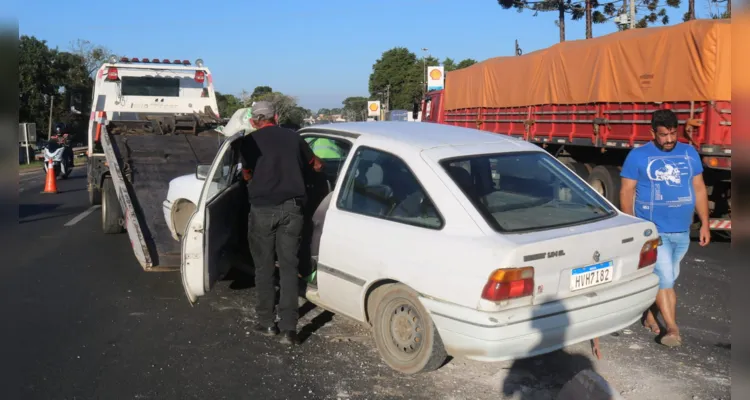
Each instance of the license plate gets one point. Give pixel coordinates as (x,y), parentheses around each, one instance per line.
(591,275)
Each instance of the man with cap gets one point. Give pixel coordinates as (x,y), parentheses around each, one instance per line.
(275,161)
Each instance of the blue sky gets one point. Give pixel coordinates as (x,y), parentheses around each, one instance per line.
(319,51)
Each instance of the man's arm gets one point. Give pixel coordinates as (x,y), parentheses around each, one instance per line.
(701,199)
(627,194)
(309,156)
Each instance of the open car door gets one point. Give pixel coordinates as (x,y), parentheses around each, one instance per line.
(219,221)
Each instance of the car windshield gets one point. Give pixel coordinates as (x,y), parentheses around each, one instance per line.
(527,191)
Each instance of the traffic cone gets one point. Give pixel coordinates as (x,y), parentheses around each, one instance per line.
(50,186)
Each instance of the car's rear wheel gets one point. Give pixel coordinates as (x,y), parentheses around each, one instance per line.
(404,333)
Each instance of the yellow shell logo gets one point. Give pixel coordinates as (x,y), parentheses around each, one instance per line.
(435,74)
(373,106)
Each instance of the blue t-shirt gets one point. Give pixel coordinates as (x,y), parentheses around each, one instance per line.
(664,193)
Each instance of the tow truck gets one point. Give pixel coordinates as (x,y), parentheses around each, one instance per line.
(152,120)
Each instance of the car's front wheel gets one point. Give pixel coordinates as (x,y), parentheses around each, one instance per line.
(405,335)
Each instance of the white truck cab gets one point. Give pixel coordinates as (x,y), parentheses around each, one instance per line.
(152,120)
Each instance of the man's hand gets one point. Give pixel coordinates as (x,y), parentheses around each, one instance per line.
(317,164)
(627,194)
(701,207)
(705,235)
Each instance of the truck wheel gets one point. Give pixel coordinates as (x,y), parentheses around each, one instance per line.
(605,179)
(95,196)
(111,211)
(405,335)
(579,168)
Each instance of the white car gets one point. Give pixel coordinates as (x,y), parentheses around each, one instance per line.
(184,191)
(449,241)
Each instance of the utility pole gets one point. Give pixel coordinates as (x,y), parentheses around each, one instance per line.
(632,14)
(388,97)
(51,106)
(424,72)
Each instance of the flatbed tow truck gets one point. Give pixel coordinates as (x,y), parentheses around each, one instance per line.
(152,120)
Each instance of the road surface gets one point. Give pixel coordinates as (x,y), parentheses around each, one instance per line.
(82,320)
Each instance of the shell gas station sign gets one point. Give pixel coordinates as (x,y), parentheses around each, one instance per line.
(435,78)
(373,108)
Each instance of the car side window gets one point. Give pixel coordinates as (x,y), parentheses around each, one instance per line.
(226,174)
(333,152)
(379,184)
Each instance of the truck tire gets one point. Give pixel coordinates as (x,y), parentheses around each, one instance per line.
(111,210)
(404,333)
(605,179)
(579,168)
(95,196)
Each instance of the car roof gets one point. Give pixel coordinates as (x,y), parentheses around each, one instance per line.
(423,135)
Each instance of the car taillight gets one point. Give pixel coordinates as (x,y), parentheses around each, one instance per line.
(200,76)
(509,283)
(648,253)
(112,74)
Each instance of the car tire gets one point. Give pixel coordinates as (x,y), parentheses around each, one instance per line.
(605,179)
(111,210)
(404,333)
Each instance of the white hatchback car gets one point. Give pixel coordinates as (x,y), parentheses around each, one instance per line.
(448,241)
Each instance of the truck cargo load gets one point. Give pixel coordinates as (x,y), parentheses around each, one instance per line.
(689,61)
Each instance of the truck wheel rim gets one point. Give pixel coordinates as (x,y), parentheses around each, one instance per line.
(598,186)
(405,326)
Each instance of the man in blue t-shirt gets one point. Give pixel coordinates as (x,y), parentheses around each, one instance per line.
(662,182)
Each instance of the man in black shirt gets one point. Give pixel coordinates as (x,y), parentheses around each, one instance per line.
(275,161)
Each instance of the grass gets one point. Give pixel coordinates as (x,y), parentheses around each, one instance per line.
(26,167)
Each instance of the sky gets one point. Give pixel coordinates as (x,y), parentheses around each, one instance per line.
(321,52)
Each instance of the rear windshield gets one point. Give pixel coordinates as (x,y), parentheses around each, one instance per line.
(150,86)
(518,192)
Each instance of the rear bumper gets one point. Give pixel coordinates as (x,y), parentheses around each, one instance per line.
(533,330)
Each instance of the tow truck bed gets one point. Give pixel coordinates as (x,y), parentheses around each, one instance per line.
(145,166)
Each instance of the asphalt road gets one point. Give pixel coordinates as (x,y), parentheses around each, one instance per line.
(83,321)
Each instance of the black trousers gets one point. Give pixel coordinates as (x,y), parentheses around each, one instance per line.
(276,230)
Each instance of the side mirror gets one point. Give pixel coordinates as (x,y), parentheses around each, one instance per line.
(201,171)
(415,111)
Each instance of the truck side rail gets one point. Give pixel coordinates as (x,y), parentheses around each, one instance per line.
(132,226)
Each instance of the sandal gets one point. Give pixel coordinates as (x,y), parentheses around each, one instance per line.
(671,340)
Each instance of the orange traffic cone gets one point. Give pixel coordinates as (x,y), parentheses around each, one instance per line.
(50,186)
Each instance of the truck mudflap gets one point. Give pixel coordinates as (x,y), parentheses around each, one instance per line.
(141,167)
(720,224)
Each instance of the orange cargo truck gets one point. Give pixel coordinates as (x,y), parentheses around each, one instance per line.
(588,102)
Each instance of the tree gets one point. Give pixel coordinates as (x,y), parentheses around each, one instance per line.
(36,81)
(562,7)
(228,104)
(399,70)
(93,55)
(355,108)
(324,111)
(466,63)
(259,92)
(282,104)
(449,65)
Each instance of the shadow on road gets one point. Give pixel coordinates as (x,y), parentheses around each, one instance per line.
(28,210)
(543,376)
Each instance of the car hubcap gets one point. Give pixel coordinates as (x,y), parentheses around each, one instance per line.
(406,329)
